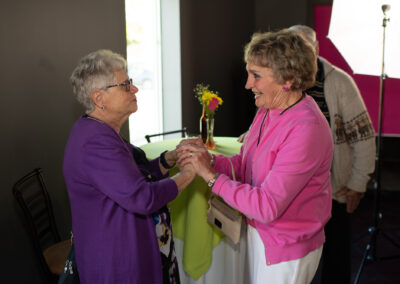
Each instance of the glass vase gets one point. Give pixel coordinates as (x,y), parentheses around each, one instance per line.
(207,129)
(203,125)
(210,143)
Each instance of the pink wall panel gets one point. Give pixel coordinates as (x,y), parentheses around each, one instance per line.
(368,85)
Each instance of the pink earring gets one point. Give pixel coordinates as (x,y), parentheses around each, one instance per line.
(285,88)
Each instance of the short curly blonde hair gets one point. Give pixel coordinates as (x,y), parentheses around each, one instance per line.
(288,54)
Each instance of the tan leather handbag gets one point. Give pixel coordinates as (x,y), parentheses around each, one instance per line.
(223,217)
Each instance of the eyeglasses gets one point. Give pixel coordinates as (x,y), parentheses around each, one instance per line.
(127,84)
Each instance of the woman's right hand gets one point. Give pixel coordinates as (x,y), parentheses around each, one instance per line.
(198,157)
(184,177)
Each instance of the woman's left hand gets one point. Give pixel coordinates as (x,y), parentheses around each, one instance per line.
(171,157)
(199,157)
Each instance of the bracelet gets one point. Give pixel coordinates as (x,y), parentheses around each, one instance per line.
(164,162)
(211,182)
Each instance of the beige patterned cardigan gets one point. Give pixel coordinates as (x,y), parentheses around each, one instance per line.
(353,134)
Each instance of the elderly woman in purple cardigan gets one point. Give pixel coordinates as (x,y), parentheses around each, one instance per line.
(121,225)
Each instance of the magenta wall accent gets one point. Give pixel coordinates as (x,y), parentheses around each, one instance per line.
(368,85)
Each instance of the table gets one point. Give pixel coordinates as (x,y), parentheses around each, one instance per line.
(189,219)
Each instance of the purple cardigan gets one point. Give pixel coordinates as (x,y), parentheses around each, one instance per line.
(111,207)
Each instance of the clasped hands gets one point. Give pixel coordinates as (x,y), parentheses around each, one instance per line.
(193,155)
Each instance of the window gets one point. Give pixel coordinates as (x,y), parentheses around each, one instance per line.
(153,59)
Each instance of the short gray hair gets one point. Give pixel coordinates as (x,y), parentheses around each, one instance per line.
(95,71)
(307,32)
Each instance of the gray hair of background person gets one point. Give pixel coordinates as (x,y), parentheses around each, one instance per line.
(95,71)
(288,54)
(308,33)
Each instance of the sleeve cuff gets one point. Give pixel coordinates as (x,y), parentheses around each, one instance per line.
(359,186)
(155,165)
(217,188)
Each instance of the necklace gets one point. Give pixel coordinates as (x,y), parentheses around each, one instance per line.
(302,96)
(262,123)
(261,126)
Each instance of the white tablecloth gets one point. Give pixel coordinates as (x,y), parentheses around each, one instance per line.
(228,263)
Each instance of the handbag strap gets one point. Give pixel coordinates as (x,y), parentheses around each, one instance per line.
(233,170)
(233,177)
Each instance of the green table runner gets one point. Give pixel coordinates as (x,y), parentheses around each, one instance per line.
(189,210)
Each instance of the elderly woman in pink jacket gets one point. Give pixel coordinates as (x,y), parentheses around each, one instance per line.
(282,172)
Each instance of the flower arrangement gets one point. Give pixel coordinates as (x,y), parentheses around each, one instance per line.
(209,99)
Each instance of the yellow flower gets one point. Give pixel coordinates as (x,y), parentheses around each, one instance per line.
(207,96)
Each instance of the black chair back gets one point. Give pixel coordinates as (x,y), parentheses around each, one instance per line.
(32,196)
(183,131)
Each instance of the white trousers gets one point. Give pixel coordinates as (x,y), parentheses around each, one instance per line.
(298,271)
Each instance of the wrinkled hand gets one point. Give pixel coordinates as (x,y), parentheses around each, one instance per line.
(242,137)
(189,168)
(180,149)
(184,177)
(171,157)
(198,157)
(181,156)
(352,198)
(195,141)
